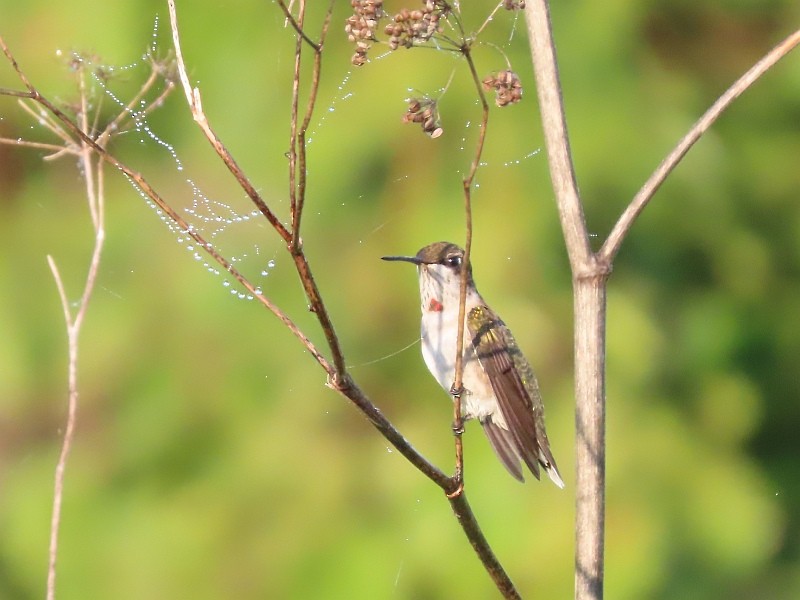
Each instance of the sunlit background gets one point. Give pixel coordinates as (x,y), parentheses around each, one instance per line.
(211,461)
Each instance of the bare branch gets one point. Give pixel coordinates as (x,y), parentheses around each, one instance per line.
(95,197)
(469,523)
(301,134)
(458,387)
(298,62)
(314,297)
(69,433)
(16,93)
(37,145)
(196,107)
(297,24)
(643,196)
(48,123)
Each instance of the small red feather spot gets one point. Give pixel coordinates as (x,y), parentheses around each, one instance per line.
(435,306)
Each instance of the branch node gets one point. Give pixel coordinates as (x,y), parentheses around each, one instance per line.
(339,382)
(456,492)
(597,268)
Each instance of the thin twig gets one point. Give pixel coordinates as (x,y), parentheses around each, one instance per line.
(458,387)
(480,544)
(46,121)
(298,179)
(95,195)
(316,75)
(297,25)
(196,107)
(292,155)
(643,196)
(312,292)
(27,144)
(456,493)
(69,432)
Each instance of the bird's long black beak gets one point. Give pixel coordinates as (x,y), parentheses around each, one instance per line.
(411,259)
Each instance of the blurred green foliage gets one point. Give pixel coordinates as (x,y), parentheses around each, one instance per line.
(212,462)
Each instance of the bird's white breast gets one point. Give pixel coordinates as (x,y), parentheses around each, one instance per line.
(439,337)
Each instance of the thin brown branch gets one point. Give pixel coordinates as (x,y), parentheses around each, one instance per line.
(298,177)
(458,387)
(468,522)
(69,432)
(14,93)
(297,25)
(293,187)
(22,77)
(312,292)
(348,388)
(46,121)
(643,196)
(37,145)
(456,494)
(316,75)
(95,197)
(196,108)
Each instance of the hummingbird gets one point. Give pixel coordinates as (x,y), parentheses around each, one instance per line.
(500,388)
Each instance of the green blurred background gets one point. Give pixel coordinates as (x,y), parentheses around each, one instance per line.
(210,459)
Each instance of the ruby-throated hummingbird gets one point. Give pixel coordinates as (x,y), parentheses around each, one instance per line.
(500,388)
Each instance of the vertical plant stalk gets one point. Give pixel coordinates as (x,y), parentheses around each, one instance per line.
(95,195)
(589,281)
(590,419)
(590,273)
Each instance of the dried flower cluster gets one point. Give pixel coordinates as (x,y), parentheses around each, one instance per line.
(425,112)
(413,27)
(360,27)
(416,26)
(507,87)
(408,27)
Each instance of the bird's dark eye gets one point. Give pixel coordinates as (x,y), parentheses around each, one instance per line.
(453,261)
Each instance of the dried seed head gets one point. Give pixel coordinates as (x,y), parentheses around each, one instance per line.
(425,112)
(360,27)
(507,87)
(410,27)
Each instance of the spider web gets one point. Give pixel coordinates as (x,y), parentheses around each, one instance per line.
(233,227)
